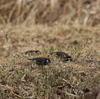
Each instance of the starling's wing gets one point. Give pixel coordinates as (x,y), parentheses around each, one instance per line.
(32,52)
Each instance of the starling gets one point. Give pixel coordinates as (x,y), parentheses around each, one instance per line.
(41,60)
(32,52)
(62,55)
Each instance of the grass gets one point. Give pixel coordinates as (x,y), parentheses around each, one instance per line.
(21,79)
(72,26)
(47,12)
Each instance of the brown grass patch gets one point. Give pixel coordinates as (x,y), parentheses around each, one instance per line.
(22,79)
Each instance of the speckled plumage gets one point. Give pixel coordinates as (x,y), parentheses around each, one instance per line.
(62,55)
(32,52)
(41,60)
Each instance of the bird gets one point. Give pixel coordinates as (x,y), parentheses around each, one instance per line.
(41,60)
(62,55)
(31,52)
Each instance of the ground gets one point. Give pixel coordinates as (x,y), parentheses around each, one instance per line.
(22,79)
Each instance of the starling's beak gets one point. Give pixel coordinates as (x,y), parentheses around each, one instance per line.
(31,59)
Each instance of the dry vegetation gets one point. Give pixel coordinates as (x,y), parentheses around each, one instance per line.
(72,26)
(50,11)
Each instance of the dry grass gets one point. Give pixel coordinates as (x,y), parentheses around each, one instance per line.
(85,12)
(72,26)
(21,79)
